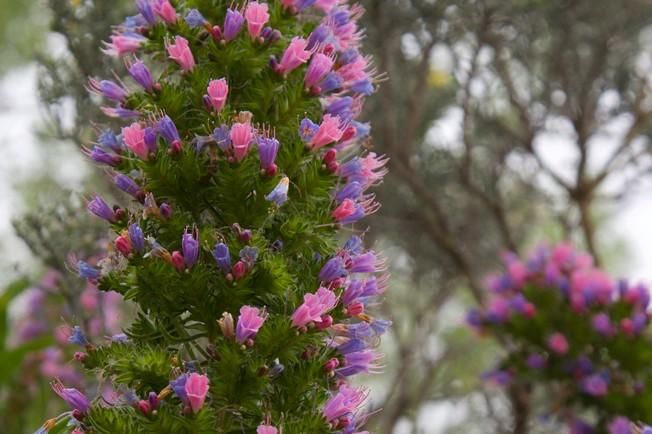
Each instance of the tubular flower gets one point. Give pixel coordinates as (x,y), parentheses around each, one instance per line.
(165,11)
(134,138)
(304,304)
(122,44)
(196,388)
(280,193)
(250,321)
(320,65)
(180,52)
(256,15)
(329,131)
(73,397)
(314,307)
(241,136)
(218,90)
(294,56)
(141,74)
(232,24)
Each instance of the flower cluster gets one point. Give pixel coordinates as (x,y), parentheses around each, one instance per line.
(242,154)
(569,322)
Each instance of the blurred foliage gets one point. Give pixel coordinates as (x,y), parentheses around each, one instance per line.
(23,25)
(474,90)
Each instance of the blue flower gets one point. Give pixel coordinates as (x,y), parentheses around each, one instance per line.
(280,193)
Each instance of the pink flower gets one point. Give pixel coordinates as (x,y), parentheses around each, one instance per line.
(266,429)
(217,91)
(325,5)
(294,56)
(196,389)
(346,209)
(593,282)
(89,299)
(165,11)
(344,403)
(180,53)
(134,138)
(329,131)
(256,15)
(123,44)
(241,136)
(320,65)
(558,343)
(313,307)
(250,321)
(355,71)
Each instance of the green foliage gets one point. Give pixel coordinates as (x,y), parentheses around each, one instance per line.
(277,376)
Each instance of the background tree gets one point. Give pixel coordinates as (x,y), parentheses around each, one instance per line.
(477,94)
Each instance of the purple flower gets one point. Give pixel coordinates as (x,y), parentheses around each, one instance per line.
(222,136)
(536,361)
(318,36)
(578,426)
(87,271)
(347,56)
(307,130)
(267,150)
(596,385)
(249,255)
(332,269)
(101,209)
(145,9)
(120,112)
(73,397)
(99,155)
(362,130)
(168,130)
(602,324)
(119,338)
(352,190)
(352,346)
(341,107)
(250,321)
(108,89)
(474,318)
(352,292)
(354,245)
(380,326)
(195,19)
(151,140)
(364,263)
(166,210)
(232,24)
(332,82)
(190,248)
(109,140)
(179,386)
(620,425)
(78,337)
(222,257)
(128,185)
(365,87)
(142,75)
(137,238)
(358,362)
